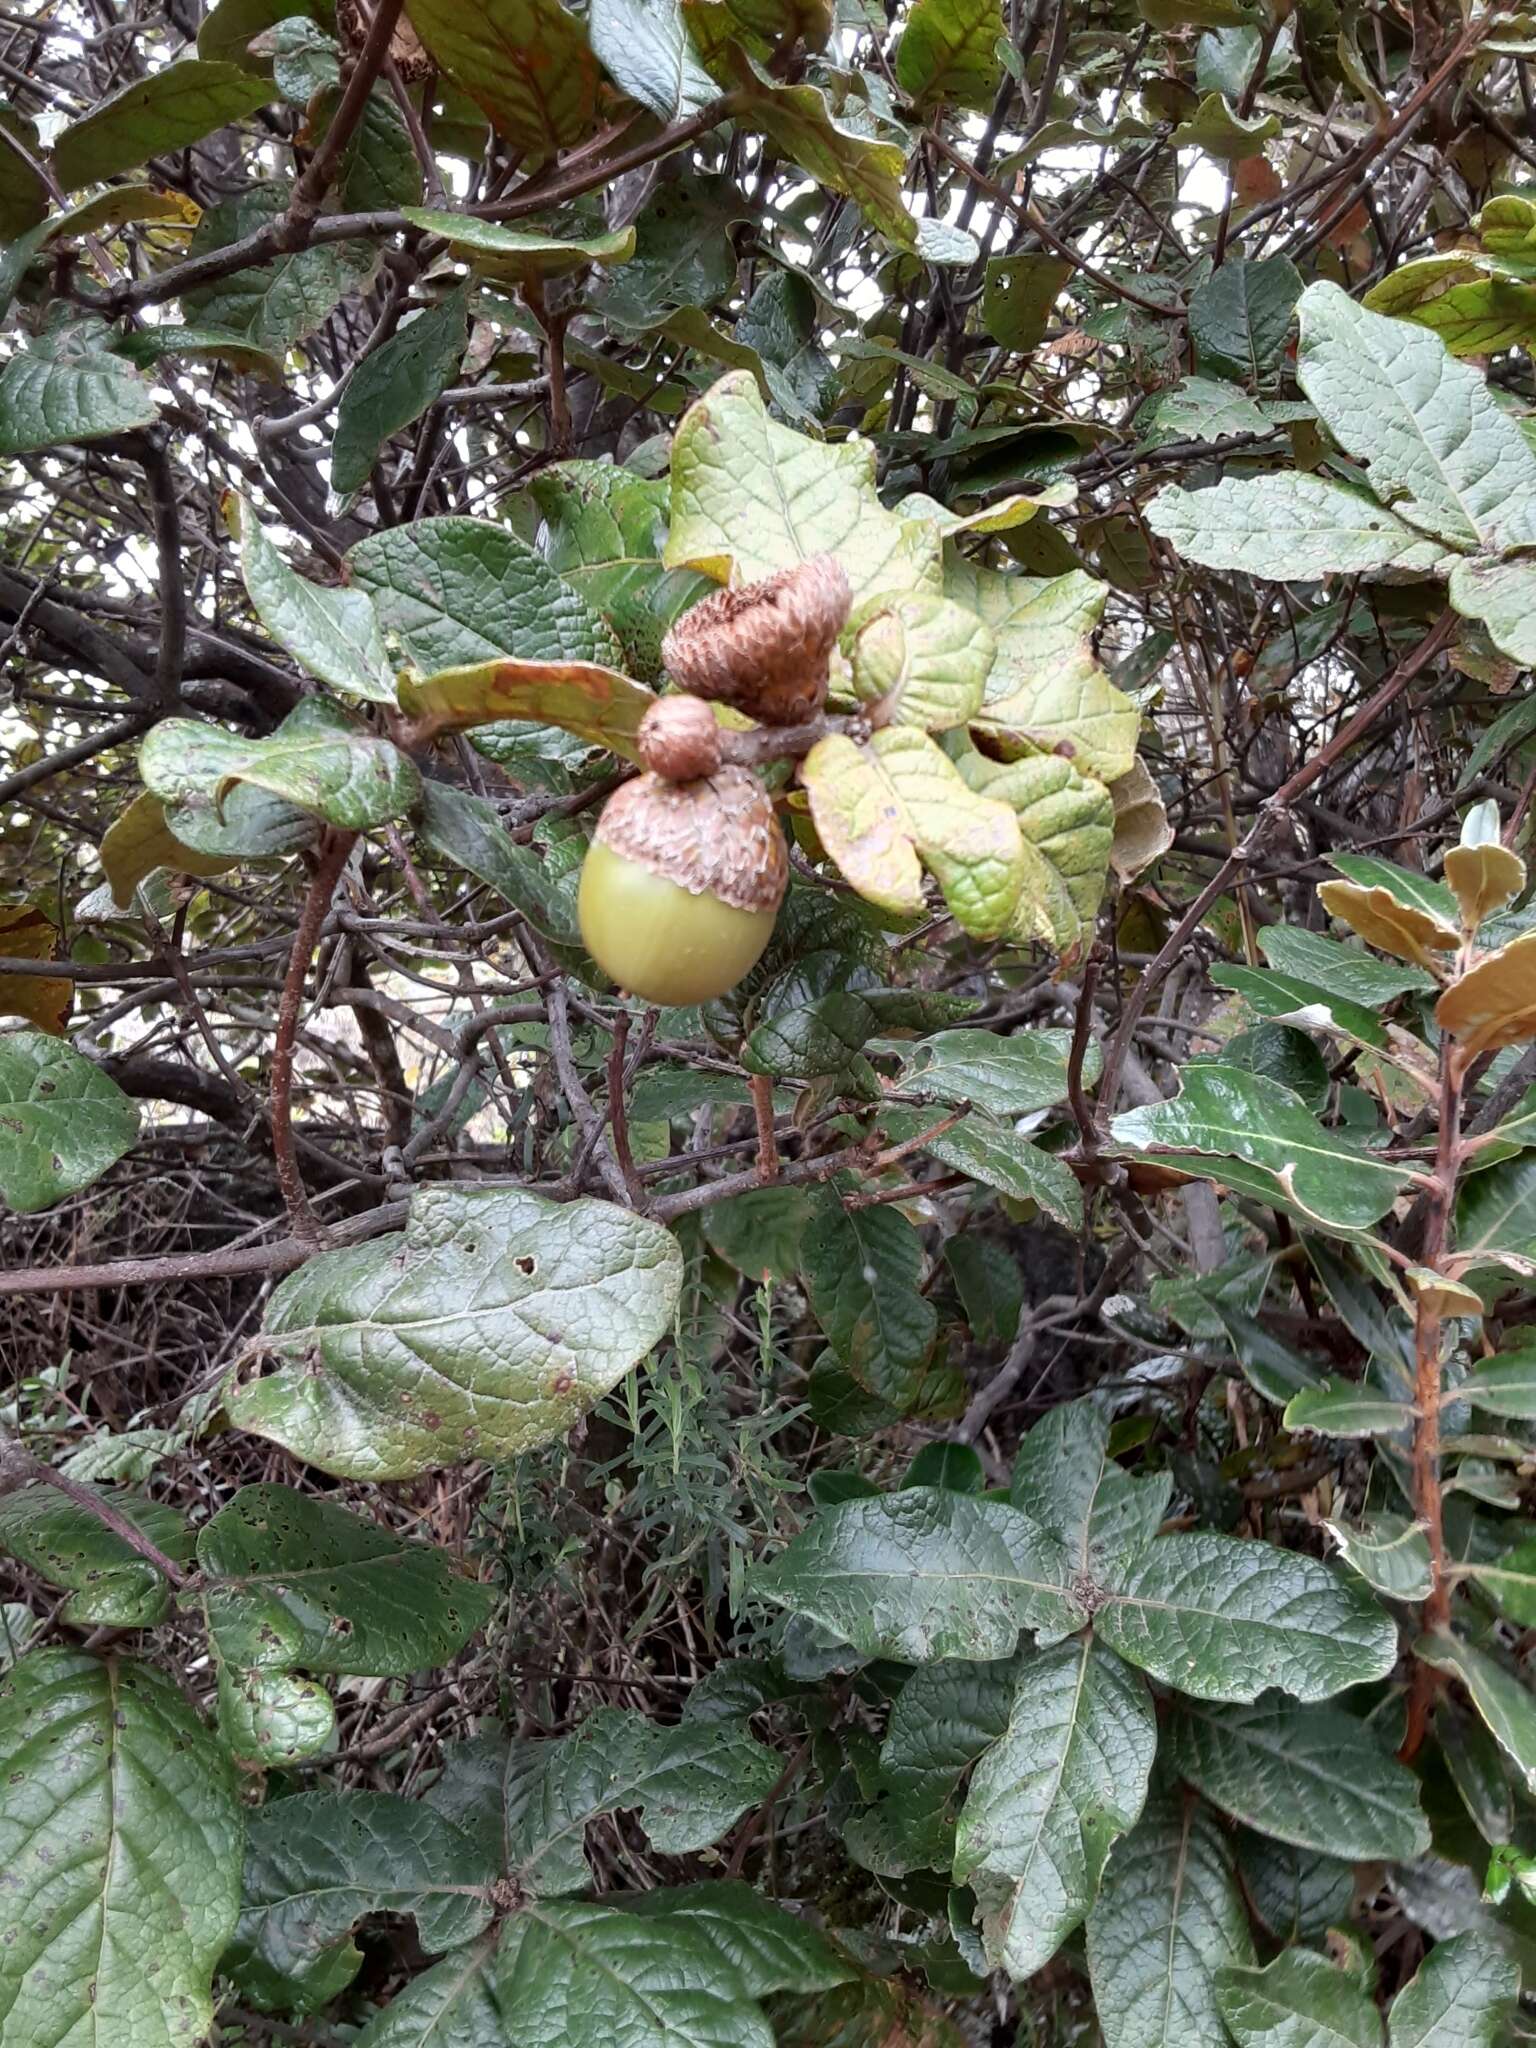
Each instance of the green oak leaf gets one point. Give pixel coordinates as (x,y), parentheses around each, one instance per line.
(1064,1476)
(881,807)
(570,1974)
(750,496)
(1169,1917)
(1300,2000)
(1224,1619)
(492,1323)
(163,111)
(275,304)
(334,633)
(394,386)
(925,1573)
(948,52)
(1501,1698)
(1437,446)
(1227,1124)
(689,1783)
(68,385)
(1240,318)
(318,760)
(1047,693)
(120,1840)
(1311,1776)
(644,47)
(1461,1996)
(1289,525)
(461,591)
(1048,1801)
(526,63)
(318,1862)
(62,1121)
(1067,820)
(516,253)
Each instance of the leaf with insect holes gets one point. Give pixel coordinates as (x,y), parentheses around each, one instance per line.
(120,1839)
(926,1573)
(110,1584)
(491,1324)
(62,1121)
(318,760)
(1047,1802)
(290,1583)
(319,1862)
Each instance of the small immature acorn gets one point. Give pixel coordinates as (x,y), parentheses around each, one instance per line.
(767,647)
(679,739)
(682,884)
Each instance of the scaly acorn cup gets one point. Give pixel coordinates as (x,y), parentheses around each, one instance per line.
(682,884)
(767,647)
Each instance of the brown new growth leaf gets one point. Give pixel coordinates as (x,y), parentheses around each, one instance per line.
(767,647)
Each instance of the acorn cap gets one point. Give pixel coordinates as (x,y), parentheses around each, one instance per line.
(717,836)
(679,739)
(766,647)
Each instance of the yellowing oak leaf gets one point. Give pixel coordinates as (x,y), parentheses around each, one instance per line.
(884,808)
(597,704)
(140,841)
(1386,922)
(1494,1002)
(43,999)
